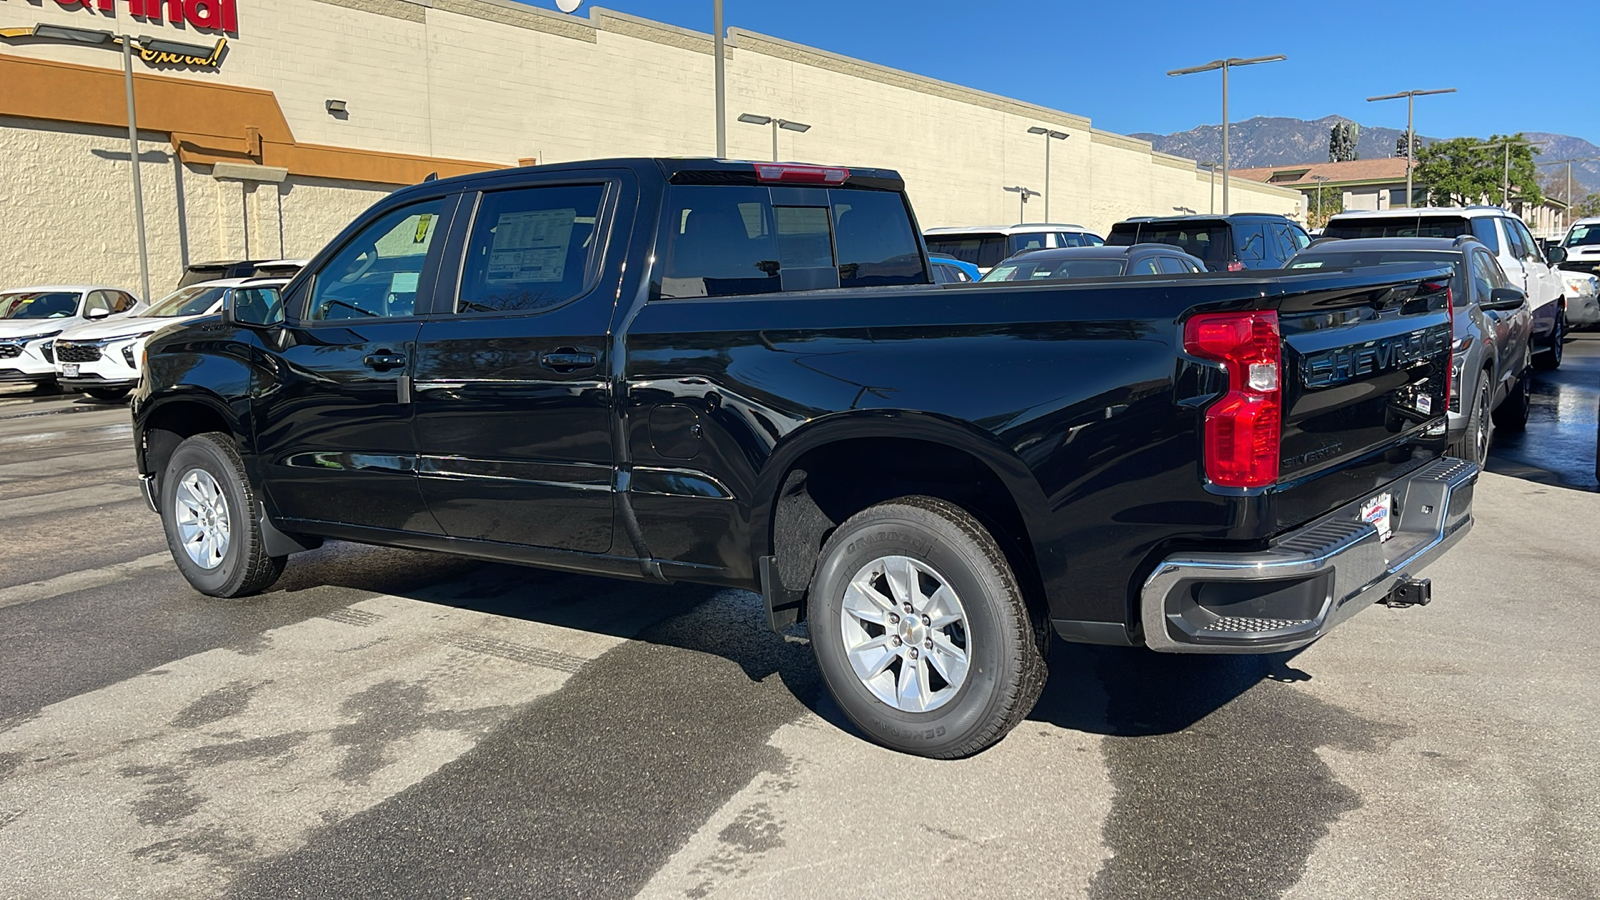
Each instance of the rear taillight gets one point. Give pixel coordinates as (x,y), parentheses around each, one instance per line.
(1243,429)
(793,174)
(1235,266)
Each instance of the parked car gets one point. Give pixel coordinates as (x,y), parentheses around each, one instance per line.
(949,270)
(102,357)
(1578,256)
(31,317)
(1095,262)
(1230,243)
(985,246)
(224,269)
(1506,237)
(627,368)
(1492,329)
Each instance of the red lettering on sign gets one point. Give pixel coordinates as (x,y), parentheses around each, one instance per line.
(203,13)
(71,3)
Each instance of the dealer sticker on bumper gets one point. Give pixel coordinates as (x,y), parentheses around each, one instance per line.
(70,370)
(1375,512)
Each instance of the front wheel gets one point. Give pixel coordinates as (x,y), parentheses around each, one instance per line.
(1473,445)
(1550,359)
(920,629)
(1512,414)
(206,510)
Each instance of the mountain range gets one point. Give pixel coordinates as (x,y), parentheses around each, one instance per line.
(1279,141)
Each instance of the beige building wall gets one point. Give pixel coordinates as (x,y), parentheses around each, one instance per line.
(497,81)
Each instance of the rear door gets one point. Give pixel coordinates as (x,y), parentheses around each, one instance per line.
(513,408)
(1513,258)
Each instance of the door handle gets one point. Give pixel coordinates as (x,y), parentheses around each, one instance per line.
(566,359)
(384,361)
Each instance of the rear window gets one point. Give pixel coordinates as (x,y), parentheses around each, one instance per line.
(1357,259)
(1209,241)
(1403,226)
(189,301)
(982,250)
(1055,268)
(725,240)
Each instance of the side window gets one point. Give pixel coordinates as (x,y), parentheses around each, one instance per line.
(718,241)
(1492,273)
(876,245)
(1068,239)
(1171,265)
(530,248)
(98,300)
(1483,229)
(991,251)
(1092,240)
(376,274)
(1530,245)
(1021,242)
(1146,266)
(1513,240)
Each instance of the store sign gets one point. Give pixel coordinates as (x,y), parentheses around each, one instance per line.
(209,60)
(206,15)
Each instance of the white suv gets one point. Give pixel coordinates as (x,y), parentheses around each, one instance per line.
(31,317)
(102,358)
(1504,234)
(1580,270)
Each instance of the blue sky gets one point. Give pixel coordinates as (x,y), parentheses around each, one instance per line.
(1107,60)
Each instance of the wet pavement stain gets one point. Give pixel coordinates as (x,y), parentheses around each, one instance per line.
(1220,792)
(269,747)
(392,711)
(223,703)
(170,798)
(1563,433)
(222,847)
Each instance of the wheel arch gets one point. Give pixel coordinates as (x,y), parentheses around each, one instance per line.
(165,422)
(838,465)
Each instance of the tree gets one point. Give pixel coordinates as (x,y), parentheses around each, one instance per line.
(1463,171)
(1322,205)
(1587,206)
(1342,141)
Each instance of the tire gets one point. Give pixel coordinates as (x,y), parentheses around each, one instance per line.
(207,505)
(1512,413)
(110,395)
(1473,445)
(858,618)
(1550,359)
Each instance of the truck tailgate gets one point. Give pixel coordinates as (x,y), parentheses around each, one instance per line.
(1365,376)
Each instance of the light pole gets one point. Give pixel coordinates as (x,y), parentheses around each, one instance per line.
(1319,179)
(1505,184)
(1183,210)
(1022,208)
(67,34)
(1211,165)
(1225,65)
(1411,133)
(1569,162)
(1049,135)
(722,90)
(776,123)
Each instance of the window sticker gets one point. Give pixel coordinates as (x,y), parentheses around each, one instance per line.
(531,246)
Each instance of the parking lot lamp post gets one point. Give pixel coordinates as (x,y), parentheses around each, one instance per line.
(1569,162)
(776,123)
(1225,65)
(1210,165)
(1411,132)
(722,92)
(1024,193)
(1319,179)
(1049,135)
(1505,184)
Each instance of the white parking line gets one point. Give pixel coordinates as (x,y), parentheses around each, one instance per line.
(82,580)
(173,781)
(76,498)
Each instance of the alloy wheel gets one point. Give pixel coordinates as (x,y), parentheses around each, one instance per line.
(200,510)
(905,633)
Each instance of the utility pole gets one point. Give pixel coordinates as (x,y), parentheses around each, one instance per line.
(1319,179)
(1569,162)
(1411,131)
(1505,185)
(1225,65)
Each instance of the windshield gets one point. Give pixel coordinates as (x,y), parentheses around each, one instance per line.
(1582,236)
(44,305)
(1054,268)
(1209,242)
(1399,226)
(189,301)
(982,250)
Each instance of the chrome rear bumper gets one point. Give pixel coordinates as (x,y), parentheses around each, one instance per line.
(1310,579)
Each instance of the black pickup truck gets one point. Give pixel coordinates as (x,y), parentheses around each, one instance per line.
(742,374)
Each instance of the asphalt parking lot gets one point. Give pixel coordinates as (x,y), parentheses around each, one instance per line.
(396,724)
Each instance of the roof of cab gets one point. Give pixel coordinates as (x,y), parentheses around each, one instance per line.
(663,167)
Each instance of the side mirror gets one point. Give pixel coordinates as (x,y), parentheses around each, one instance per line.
(253,307)
(99,312)
(1556,255)
(1505,298)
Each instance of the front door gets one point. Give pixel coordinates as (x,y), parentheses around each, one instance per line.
(334,424)
(513,406)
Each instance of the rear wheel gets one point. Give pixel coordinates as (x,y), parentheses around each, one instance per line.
(207,506)
(920,629)
(1473,445)
(1551,358)
(1512,413)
